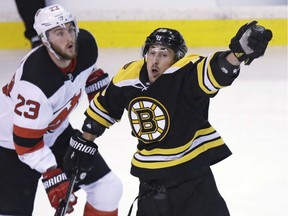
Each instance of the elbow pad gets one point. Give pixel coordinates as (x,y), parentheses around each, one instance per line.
(93,127)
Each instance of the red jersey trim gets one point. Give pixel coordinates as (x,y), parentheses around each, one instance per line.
(28,133)
(24,150)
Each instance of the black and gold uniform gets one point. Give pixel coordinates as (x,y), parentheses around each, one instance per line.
(168,112)
(169,117)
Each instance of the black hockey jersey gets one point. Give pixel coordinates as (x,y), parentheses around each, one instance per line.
(169,117)
(36,104)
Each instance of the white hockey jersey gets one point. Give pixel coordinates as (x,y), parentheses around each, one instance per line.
(35,105)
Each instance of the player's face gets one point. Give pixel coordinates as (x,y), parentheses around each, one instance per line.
(63,41)
(159,59)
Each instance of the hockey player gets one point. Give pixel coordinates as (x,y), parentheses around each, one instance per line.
(166,95)
(35,130)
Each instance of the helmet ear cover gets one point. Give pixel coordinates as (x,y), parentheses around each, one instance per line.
(169,38)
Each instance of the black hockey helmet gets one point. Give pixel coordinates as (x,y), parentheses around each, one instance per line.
(169,38)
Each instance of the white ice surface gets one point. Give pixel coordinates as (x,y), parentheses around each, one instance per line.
(251,116)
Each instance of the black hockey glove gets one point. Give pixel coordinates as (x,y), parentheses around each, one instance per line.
(250,42)
(80,155)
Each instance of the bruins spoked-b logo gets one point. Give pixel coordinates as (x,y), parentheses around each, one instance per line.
(149,119)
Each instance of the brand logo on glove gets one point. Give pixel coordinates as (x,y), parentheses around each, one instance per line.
(55,180)
(82,175)
(82,147)
(98,85)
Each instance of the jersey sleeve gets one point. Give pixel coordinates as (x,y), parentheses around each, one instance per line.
(30,122)
(210,76)
(205,73)
(108,106)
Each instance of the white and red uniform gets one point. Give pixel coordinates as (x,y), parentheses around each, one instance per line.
(36,104)
(34,111)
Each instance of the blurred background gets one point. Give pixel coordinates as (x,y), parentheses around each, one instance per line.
(125,23)
(251,115)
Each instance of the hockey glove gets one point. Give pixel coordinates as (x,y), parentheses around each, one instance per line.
(56,184)
(80,155)
(97,81)
(250,42)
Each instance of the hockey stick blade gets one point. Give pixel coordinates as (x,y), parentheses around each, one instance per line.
(63,206)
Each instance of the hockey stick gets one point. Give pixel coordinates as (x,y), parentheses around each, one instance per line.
(63,206)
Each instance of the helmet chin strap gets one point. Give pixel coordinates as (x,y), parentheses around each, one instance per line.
(48,45)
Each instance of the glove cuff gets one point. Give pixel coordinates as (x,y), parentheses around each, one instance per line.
(80,144)
(239,53)
(227,68)
(53,177)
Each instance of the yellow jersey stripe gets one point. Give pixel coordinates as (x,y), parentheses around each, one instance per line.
(178,150)
(186,158)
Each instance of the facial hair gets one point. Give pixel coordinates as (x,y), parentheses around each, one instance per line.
(64,55)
